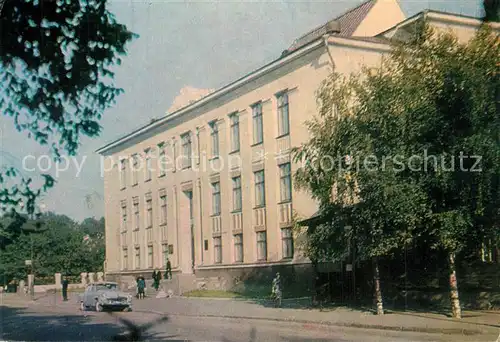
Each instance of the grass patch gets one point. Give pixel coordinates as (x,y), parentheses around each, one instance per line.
(212,294)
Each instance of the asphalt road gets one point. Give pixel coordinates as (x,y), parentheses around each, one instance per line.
(41,323)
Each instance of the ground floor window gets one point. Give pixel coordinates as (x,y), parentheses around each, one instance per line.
(137,257)
(217,250)
(238,248)
(125,258)
(150,256)
(287,242)
(261,246)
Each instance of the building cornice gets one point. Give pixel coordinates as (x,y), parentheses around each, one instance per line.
(215,95)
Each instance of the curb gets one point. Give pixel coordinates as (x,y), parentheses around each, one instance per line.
(464,332)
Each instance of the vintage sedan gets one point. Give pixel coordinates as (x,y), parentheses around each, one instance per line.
(105,295)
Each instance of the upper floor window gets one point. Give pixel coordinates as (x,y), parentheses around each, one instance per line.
(124,216)
(123,173)
(216,198)
(163,209)
(149,211)
(135,168)
(162,160)
(237,194)
(285,183)
(186,150)
(235,132)
(214,138)
(258,126)
(148,170)
(283,114)
(136,214)
(260,192)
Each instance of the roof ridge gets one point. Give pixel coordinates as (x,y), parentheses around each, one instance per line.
(353,9)
(334,19)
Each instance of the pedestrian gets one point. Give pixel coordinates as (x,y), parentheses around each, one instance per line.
(168,272)
(65,284)
(156,279)
(141,284)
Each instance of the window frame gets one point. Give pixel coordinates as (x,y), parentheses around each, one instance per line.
(187,150)
(261,244)
(150,256)
(123,174)
(260,189)
(217,249)
(137,257)
(257,124)
(214,139)
(285,176)
(238,247)
(149,211)
(216,199)
(287,243)
(237,194)
(283,110)
(234,129)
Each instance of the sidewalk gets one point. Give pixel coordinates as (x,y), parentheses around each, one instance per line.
(475,324)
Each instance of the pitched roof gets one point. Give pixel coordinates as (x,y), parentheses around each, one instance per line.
(348,22)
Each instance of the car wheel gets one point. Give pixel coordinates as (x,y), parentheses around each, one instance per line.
(98,307)
(82,307)
(128,309)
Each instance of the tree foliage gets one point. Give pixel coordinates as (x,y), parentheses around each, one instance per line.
(58,246)
(56,77)
(415,148)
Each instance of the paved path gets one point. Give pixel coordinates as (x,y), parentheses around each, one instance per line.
(62,322)
(474,326)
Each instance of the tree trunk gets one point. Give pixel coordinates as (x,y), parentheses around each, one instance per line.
(454,298)
(378,290)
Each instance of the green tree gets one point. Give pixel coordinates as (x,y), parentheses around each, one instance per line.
(56,72)
(433,96)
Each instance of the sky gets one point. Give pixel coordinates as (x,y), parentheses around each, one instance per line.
(204,44)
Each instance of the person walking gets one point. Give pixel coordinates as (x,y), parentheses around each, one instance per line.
(141,285)
(168,272)
(156,279)
(65,284)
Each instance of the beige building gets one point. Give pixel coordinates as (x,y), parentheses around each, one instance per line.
(209,185)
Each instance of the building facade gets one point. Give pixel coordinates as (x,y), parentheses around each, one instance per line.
(210,185)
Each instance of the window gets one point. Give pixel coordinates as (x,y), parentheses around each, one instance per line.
(149,211)
(137,257)
(163,209)
(162,160)
(124,216)
(287,242)
(260,192)
(285,183)
(214,137)
(283,115)
(261,246)
(189,195)
(206,245)
(125,258)
(235,132)
(136,214)
(150,256)
(148,170)
(238,248)
(123,174)
(135,168)
(217,250)
(237,194)
(258,127)
(216,198)
(186,150)
(164,253)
